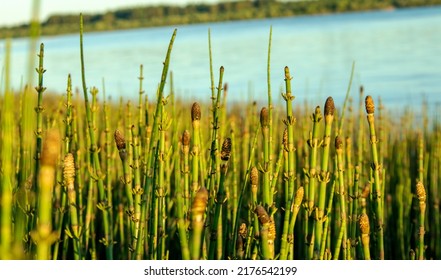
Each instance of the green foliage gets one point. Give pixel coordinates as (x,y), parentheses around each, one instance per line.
(193,198)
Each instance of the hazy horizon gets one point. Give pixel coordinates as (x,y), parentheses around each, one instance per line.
(17,12)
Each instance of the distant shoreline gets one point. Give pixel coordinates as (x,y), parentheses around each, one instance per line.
(162,15)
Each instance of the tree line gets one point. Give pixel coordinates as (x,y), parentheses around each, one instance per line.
(162,15)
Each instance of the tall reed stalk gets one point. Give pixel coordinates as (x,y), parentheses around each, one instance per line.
(343,233)
(7,160)
(69,178)
(197,222)
(324,175)
(377,195)
(44,236)
(421,195)
(107,240)
(365,232)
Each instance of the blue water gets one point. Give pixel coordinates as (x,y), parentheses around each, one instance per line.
(397,56)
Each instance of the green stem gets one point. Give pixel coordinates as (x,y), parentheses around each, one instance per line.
(217,220)
(342,237)
(39,110)
(324,176)
(137,189)
(242,192)
(44,236)
(313,143)
(421,195)
(69,177)
(96,167)
(214,160)
(7,159)
(295,208)
(376,168)
(182,198)
(327,219)
(197,222)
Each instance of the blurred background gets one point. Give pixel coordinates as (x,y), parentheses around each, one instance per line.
(394,46)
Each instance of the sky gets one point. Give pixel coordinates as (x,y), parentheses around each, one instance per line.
(15,12)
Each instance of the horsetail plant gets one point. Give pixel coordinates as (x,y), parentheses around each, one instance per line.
(192,198)
(421,195)
(39,117)
(313,143)
(270,101)
(243,190)
(39,110)
(343,233)
(212,178)
(216,222)
(295,208)
(363,222)
(107,240)
(137,190)
(267,192)
(59,218)
(69,117)
(109,158)
(185,170)
(140,105)
(197,222)
(121,145)
(196,148)
(235,179)
(69,178)
(44,236)
(376,168)
(182,197)
(288,139)
(325,236)
(156,138)
(160,189)
(267,233)
(289,122)
(254,182)
(324,175)
(7,160)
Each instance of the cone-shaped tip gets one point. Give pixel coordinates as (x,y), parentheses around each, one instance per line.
(329,106)
(69,169)
(119,140)
(338,143)
(369,103)
(299,196)
(254,176)
(264,117)
(186,138)
(285,139)
(287,75)
(363,222)
(420,191)
(195,111)
(226,149)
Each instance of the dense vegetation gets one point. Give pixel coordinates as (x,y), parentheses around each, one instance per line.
(161,179)
(161,15)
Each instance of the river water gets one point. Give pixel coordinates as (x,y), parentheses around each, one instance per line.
(397,56)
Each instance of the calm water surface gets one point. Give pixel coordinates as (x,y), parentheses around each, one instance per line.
(397,56)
